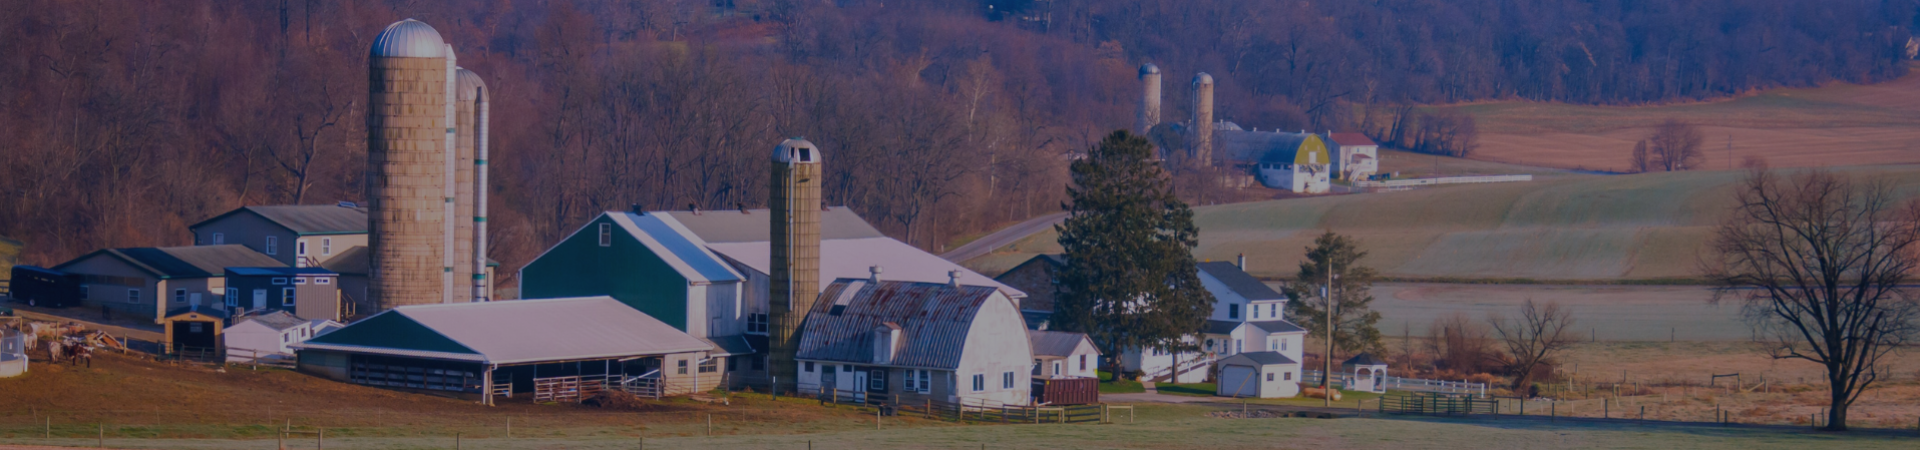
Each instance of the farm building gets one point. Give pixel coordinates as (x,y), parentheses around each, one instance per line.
(194,329)
(1259,374)
(1297,162)
(271,335)
(553,349)
(1356,156)
(1247,317)
(308,292)
(353,266)
(295,235)
(1058,354)
(1035,278)
(149,281)
(906,342)
(39,286)
(708,272)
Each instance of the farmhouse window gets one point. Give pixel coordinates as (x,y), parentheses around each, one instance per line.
(682,367)
(1287,376)
(133,296)
(1056,368)
(606,235)
(1233,311)
(326,246)
(279,281)
(1083,362)
(179,295)
(219,238)
(300,248)
(1006,380)
(273,245)
(286,296)
(809,366)
(979,382)
(1239,346)
(709,366)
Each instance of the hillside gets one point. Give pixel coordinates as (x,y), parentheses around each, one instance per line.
(1836,125)
(1563,227)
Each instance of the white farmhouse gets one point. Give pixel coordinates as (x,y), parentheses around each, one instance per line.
(904,342)
(1247,317)
(270,335)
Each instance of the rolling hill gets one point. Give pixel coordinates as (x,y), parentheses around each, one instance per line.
(1562,227)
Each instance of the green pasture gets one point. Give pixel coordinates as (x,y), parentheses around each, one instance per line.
(1561,228)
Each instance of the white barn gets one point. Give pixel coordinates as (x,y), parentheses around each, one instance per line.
(271,335)
(1259,374)
(904,342)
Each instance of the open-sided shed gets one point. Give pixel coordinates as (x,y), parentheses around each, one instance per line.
(555,349)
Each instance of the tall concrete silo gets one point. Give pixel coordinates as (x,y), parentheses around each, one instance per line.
(1149,99)
(794,282)
(465,123)
(471,264)
(407,128)
(1200,138)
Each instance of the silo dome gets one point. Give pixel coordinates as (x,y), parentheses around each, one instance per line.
(409,39)
(797,150)
(1203,78)
(1149,69)
(468,84)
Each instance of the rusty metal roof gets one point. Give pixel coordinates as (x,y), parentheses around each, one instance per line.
(1057,343)
(934,319)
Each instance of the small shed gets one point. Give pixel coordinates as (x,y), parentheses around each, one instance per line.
(1259,374)
(13,353)
(271,335)
(38,286)
(1364,373)
(194,331)
(311,293)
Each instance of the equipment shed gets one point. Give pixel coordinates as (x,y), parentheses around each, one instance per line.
(557,350)
(1259,374)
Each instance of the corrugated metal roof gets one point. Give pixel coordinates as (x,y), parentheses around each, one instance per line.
(523,331)
(934,320)
(1056,343)
(732,225)
(1259,358)
(306,219)
(277,271)
(200,261)
(676,245)
(853,258)
(730,345)
(1262,146)
(409,39)
(1239,281)
(353,261)
(278,320)
(1278,326)
(311,345)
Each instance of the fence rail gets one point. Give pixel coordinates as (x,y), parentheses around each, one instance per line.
(1312,377)
(1435,404)
(966,410)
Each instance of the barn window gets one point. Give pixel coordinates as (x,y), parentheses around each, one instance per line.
(179,295)
(759,362)
(273,245)
(1287,376)
(709,366)
(979,382)
(300,248)
(279,281)
(326,246)
(606,235)
(682,367)
(133,296)
(219,238)
(322,280)
(734,364)
(1269,376)
(300,280)
(233,297)
(1083,362)
(1006,380)
(194,327)
(756,323)
(846,367)
(809,366)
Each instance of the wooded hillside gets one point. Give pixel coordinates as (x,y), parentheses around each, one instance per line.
(123,122)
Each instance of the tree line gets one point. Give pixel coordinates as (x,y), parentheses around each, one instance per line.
(125,122)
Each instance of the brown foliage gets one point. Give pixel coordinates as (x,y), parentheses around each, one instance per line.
(1460,345)
(1532,338)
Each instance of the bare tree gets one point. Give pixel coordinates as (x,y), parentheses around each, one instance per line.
(1458,343)
(1533,338)
(1640,162)
(1674,146)
(1818,261)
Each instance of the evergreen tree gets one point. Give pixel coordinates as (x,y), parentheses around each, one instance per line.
(1130,281)
(1355,322)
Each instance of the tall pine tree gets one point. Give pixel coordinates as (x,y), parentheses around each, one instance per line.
(1355,322)
(1130,281)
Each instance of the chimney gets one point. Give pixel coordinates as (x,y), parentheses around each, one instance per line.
(874,271)
(695,207)
(1243,262)
(635,208)
(953,278)
(742,206)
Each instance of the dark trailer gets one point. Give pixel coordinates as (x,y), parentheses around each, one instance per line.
(38,286)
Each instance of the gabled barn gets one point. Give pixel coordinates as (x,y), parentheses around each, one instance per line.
(148,282)
(1039,279)
(537,347)
(901,342)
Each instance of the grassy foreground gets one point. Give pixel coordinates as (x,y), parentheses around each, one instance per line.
(1168,426)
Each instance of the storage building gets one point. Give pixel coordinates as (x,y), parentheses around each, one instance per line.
(148,282)
(900,342)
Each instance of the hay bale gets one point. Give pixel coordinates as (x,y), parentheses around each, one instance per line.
(615,399)
(1315,392)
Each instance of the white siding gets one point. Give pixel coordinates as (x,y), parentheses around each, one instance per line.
(997,344)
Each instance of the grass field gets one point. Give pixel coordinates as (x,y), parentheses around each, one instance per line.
(1840,124)
(1562,228)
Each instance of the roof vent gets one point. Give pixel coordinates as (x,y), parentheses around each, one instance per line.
(695,207)
(743,208)
(953,278)
(875,272)
(635,208)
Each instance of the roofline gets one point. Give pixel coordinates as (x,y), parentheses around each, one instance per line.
(698,244)
(249,208)
(425,354)
(143,267)
(330,233)
(796,358)
(522,273)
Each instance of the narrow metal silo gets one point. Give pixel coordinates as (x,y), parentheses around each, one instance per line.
(1201,137)
(407,128)
(794,282)
(470,248)
(1149,99)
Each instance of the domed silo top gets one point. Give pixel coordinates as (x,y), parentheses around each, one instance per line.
(797,151)
(1203,78)
(409,39)
(1149,69)
(468,83)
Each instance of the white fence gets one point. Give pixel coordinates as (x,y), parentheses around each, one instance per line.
(1312,377)
(1408,182)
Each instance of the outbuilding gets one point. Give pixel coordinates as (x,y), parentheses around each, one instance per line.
(1363,372)
(271,335)
(1259,374)
(900,342)
(148,282)
(310,293)
(555,350)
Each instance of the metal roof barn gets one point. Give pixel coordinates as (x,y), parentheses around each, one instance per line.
(512,332)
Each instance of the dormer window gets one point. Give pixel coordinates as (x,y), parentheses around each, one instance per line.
(1233,310)
(886,338)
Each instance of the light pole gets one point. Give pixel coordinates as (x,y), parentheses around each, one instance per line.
(1326,370)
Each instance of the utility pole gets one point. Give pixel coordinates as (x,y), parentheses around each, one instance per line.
(1326,370)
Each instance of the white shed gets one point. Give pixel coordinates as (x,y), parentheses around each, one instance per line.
(271,335)
(1058,354)
(1364,373)
(1259,374)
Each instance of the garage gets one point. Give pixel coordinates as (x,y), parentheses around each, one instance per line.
(1259,374)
